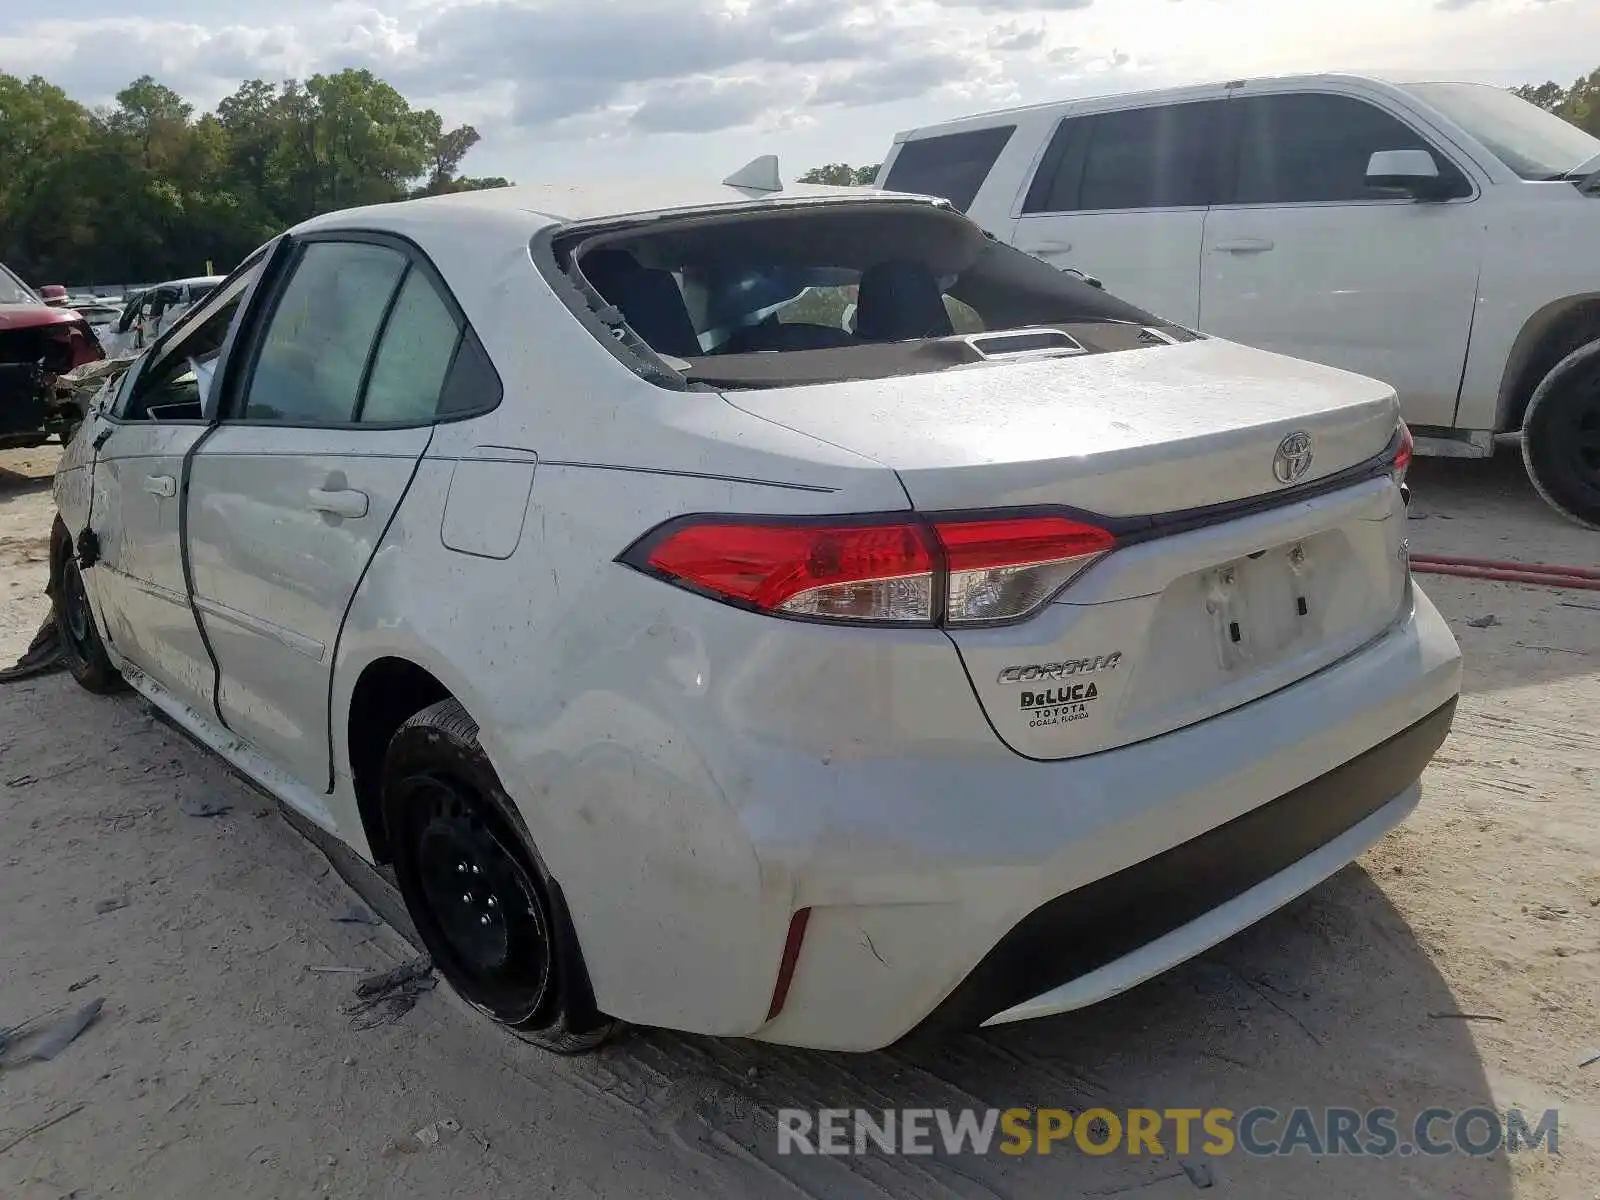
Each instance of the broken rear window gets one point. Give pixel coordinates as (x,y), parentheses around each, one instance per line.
(829,292)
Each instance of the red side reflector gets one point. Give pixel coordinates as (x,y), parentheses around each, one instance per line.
(791,958)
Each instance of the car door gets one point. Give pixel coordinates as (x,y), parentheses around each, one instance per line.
(319,436)
(1306,259)
(153,425)
(1121,195)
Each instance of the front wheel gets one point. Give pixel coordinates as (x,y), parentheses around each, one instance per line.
(1561,437)
(489,913)
(81,648)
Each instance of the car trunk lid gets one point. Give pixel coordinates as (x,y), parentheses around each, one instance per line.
(1257,544)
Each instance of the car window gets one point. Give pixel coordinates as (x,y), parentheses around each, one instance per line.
(313,353)
(953,165)
(1309,148)
(1159,157)
(13,290)
(414,356)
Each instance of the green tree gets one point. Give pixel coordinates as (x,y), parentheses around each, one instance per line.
(1579,103)
(841,175)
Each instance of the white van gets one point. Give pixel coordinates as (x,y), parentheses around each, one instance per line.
(1443,237)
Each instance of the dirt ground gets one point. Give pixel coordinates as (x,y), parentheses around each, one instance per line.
(224,1064)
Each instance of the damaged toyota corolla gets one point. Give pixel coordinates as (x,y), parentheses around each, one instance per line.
(776,612)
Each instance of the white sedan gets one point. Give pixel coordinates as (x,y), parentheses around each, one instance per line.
(697,660)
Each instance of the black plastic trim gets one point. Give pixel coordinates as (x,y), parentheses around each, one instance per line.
(1091,926)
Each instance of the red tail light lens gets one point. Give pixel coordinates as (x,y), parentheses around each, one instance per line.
(1402,456)
(844,572)
(962,572)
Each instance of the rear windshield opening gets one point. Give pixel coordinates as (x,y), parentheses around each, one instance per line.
(829,292)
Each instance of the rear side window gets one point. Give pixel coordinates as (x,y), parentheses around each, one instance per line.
(1310,147)
(1161,157)
(314,353)
(953,165)
(419,344)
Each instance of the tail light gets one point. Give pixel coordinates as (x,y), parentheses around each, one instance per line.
(957,571)
(1402,454)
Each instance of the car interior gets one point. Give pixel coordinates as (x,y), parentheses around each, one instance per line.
(830,292)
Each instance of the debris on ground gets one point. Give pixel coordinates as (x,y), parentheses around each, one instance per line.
(356,915)
(110,905)
(428,1136)
(1199,1174)
(40,1127)
(42,656)
(1589,1057)
(1484,622)
(82,983)
(65,1031)
(194,806)
(385,997)
(1465,1016)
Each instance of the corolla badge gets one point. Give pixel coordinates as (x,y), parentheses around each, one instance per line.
(1293,458)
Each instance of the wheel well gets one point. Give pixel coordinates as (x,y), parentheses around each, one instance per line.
(389,692)
(1549,336)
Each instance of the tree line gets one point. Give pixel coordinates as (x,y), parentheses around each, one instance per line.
(146,189)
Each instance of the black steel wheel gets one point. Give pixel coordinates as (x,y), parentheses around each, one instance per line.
(483,903)
(81,647)
(1561,437)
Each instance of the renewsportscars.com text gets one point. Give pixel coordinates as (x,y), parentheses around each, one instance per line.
(1259,1131)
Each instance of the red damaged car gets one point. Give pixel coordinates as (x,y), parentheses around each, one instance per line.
(38,345)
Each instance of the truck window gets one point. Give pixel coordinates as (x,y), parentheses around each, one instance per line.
(1158,157)
(1309,147)
(952,165)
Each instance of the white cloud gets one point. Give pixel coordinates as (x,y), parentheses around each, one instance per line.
(575,87)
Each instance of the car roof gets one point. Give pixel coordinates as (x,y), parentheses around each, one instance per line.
(543,205)
(1186,91)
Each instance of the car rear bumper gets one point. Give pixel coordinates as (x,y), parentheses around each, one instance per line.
(1032,888)
(1108,935)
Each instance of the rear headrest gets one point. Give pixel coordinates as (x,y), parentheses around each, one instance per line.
(899,300)
(649,301)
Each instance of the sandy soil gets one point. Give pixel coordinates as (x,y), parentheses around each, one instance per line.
(223,1064)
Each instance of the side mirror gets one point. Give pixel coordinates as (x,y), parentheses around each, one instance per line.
(1411,172)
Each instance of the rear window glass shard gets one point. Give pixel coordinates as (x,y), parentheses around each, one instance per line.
(952,166)
(829,292)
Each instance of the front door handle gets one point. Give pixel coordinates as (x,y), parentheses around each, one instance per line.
(161,485)
(1245,245)
(342,502)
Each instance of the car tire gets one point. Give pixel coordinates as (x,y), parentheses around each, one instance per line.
(81,647)
(486,907)
(1561,437)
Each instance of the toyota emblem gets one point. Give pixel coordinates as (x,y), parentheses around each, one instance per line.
(1293,458)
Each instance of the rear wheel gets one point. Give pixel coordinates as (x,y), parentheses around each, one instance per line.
(1561,437)
(81,647)
(487,910)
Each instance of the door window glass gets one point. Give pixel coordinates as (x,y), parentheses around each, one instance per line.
(418,346)
(314,352)
(952,166)
(1158,157)
(1311,147)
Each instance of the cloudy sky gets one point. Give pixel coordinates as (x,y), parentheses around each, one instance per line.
(566,89)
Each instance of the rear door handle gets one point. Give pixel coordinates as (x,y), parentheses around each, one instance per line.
(161,485)
(1245,245)
(1051,247)
(345,502)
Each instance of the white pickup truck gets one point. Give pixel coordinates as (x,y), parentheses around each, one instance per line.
(1443,237)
